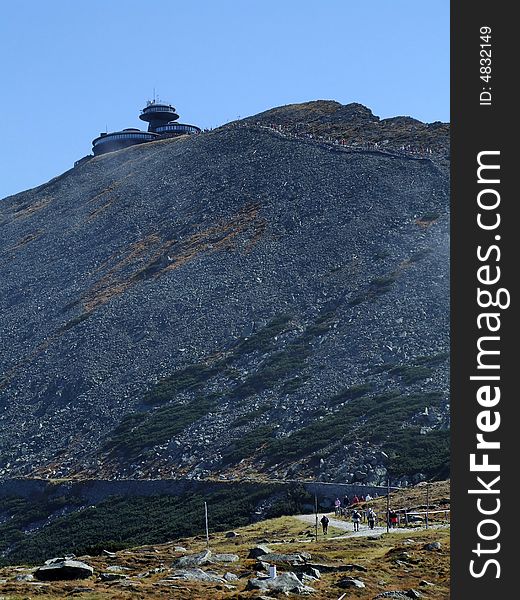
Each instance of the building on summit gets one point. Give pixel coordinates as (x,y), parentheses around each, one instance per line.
(162,124)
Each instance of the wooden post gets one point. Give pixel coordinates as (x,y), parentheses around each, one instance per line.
(316,511)
(427,502)
(207,526)
(388,506)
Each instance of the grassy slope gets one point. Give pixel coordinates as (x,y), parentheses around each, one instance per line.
(285,534)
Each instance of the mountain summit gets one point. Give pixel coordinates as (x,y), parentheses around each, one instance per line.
(268,299)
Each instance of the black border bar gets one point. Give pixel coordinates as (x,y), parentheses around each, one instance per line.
(484,121)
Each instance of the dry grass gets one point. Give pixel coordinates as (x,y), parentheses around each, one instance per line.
(395,561)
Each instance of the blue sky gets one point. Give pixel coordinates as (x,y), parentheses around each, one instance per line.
(71,69)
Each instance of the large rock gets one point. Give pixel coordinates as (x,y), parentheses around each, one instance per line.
(224,558)
(432,546)
(350,582)
(62,569)
(280,558)
(284,583)
(193,560)
(259,550)
(196,575)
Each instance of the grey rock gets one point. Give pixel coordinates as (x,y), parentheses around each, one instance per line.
(230,577)
(224,558)
(111,576)
(259,550)
(284,583)
(24,577)
(280,558)
(196,575)
(193,560)
(117,569)
(306,570)
(231,534)
(63,570)
(350,582)
(432,546)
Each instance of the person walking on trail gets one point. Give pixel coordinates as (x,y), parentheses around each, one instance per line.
(325,524)
(371,518)
(355,500)
(337,507)
(346,501)
(356,518)
(392,515)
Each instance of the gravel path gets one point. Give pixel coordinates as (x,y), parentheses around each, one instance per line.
(364,530)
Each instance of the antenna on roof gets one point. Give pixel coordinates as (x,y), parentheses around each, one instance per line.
(154,95)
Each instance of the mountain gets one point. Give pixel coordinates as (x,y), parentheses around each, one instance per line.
(269,300)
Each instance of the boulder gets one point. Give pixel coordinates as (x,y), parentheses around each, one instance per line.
(280,558)
(24,577)
(350,582)
(196,575)
(432,546)
(306,570)
(284,583)
(224,558)
(117,569)
(58,569)
(259,550)
(193,560)
(231,534)
(111,576)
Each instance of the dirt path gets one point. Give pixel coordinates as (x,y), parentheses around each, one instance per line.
(364,529)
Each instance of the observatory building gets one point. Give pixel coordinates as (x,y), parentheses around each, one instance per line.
(162,123)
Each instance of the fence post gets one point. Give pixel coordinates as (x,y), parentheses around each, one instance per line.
(316,511)
(207,526)
(427,502)
(388,506)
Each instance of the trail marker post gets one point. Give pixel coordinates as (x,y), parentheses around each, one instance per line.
(388,506)
(207,526)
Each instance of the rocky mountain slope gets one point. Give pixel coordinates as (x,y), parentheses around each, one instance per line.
(267,300)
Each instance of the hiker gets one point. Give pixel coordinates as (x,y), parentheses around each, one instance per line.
(392,515)
(346,501)
(337,507)
(368,497)
(355,500)
(325,524)
(371,517)
(356,518)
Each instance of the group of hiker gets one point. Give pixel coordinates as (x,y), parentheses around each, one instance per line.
(351,509)
(417,150)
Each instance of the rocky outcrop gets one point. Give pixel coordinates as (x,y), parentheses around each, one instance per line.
(285,583)
(60,569)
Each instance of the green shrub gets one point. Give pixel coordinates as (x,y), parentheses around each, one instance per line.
(144,430)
